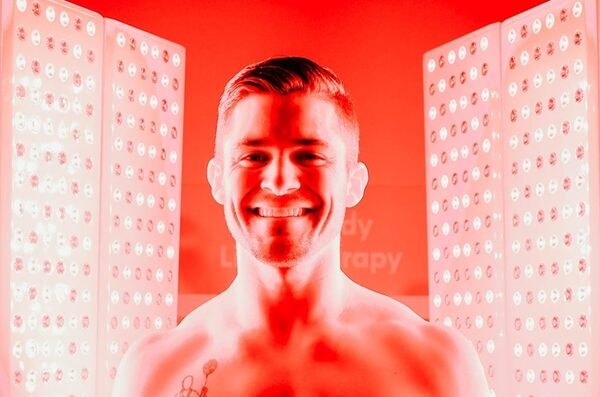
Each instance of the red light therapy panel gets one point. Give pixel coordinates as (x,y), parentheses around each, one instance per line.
(52,75)
(544,145)
(464,191)
(550,127)
(143,122)
(90,169)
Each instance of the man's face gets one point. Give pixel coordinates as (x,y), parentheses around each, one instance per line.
(284,175)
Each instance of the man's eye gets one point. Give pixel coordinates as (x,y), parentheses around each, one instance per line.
(255,158)
(309,157)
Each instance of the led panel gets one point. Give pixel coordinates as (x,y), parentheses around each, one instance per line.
(141,182)
(464,192)
(550,194)
(50,174)
(550,126)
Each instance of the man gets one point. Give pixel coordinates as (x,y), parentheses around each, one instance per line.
(291,323)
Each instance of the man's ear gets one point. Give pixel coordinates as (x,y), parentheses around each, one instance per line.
(357,182)
(214,173)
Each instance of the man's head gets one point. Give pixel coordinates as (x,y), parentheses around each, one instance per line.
(286,159)
(285,76)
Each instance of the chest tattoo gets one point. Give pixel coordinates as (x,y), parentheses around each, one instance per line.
(187,384)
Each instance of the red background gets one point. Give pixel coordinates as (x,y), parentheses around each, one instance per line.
(376,48)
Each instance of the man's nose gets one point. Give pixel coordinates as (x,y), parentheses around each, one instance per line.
(280,176)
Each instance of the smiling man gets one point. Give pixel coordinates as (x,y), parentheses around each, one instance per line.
(292,323)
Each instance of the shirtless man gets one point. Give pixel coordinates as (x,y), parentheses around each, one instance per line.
(292,323)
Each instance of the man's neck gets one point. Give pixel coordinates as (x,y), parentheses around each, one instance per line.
(281,301)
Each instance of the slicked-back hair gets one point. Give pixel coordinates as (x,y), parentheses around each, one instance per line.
(285,76)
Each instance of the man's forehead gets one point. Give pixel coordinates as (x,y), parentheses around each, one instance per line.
(267,105)
(296,141)
(300,118)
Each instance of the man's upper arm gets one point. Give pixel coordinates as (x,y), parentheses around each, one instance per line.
(132,373)
(460,373)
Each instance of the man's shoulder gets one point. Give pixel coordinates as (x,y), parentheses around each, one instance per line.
(454,362)
(444,358)
(147,363)
(392,322)
(130,375)
(392,326)
(195,329)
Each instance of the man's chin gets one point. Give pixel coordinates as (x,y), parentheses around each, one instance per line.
(279,261)
(281,255)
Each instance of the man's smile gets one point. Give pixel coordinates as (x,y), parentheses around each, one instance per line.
(268,212)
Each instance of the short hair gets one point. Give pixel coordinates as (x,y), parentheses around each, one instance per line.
(284,76)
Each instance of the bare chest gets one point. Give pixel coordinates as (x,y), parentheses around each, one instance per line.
(275,375)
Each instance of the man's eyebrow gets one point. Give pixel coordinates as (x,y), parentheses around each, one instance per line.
(311,142)
(300,142)
(251,142)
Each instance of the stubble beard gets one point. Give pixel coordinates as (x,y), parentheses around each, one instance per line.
(281,252)
(277,248)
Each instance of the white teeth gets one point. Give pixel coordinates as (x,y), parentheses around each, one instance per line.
(280,212)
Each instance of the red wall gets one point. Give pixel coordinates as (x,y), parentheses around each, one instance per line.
(376,48)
